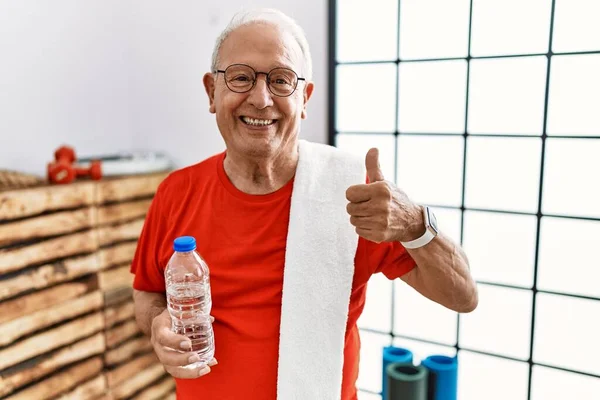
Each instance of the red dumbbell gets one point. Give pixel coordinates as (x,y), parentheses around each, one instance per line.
(62,170)
(94,171)
(65,154)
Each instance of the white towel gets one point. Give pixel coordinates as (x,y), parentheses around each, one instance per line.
(317,280)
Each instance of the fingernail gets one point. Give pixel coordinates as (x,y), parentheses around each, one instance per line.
(193,359)
(204,371)
(185,345)
(213,362)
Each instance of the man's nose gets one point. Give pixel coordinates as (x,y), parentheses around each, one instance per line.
(260,96)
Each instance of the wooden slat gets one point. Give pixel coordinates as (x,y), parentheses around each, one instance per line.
(108,396)
(117,296)
(10,179)
(118,313)
(121,212)
(87,391)
(129,369)
(119,233)
(65,380)
(119,254)
(28,202)
(52,362)
(157,391)
(47,275)
(33,302)
(127,350)
(51,339)
(121,333)
(64,246)
(170,396)
(46,225)
(30,323)
(138,382)
(128,187)
(115,278)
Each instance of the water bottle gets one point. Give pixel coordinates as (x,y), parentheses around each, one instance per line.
(188,298)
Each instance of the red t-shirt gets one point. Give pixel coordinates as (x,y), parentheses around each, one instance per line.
(242,237)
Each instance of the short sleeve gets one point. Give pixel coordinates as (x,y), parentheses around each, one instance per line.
(149,275)
(389,258)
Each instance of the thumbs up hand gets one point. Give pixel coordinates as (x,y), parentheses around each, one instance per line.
(380,211)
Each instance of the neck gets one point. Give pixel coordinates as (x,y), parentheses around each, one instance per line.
(261,175)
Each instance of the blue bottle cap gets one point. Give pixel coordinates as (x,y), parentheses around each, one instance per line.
(184,243)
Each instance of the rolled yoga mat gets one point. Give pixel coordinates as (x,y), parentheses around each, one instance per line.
(443,377)
(406,382)
(393,354)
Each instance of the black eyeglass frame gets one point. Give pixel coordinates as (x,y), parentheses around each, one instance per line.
(256,74)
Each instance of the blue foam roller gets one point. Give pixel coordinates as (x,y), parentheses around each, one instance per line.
(393,354)
(443,377)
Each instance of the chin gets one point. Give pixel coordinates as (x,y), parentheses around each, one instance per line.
(260,147)
(259,143)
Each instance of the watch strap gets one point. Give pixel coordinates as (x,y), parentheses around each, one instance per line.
(419,242)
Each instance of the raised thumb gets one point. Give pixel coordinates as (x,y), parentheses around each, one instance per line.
(372,163)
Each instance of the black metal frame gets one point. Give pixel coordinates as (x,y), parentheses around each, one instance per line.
(332,65)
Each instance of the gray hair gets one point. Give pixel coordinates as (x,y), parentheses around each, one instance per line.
(271,16)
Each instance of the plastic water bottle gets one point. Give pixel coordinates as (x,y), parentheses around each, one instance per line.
(189,299)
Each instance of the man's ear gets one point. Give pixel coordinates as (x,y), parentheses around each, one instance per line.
(209,86)
(308,90)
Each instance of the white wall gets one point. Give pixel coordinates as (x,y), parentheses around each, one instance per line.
(109,76)
(63,79)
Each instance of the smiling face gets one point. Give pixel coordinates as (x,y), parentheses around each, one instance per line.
(258,124)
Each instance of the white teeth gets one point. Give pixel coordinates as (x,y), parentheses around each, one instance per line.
(257,122)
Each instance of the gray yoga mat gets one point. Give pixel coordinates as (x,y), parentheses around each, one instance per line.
(406,382)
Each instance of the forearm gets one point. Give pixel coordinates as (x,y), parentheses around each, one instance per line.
(147,305)
(443,275)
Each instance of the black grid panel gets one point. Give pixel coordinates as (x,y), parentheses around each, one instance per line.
(542,223)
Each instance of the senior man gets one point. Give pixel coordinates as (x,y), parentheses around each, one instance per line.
(292,231)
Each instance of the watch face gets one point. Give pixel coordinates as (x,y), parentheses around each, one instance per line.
(432,220)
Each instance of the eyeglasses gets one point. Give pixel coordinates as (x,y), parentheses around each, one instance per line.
(241,78)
